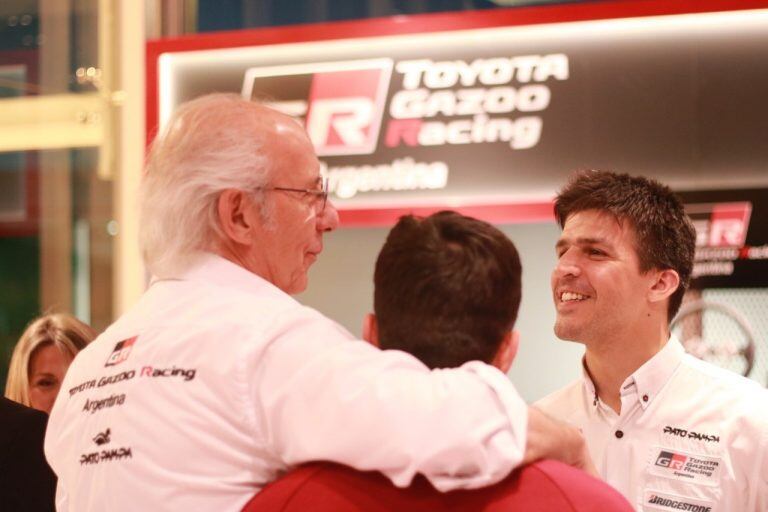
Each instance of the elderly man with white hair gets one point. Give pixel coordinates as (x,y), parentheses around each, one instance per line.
(217,381)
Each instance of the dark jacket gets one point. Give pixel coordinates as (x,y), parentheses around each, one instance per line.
(27,483)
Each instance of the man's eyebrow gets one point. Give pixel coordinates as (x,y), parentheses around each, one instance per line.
(591,241)
(584,240)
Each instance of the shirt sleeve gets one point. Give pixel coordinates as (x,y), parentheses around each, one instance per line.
(322,395)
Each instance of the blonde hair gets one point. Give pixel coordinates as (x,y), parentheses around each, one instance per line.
(65,332)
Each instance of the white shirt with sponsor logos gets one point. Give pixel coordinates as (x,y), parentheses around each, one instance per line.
(690,436)
(216,383)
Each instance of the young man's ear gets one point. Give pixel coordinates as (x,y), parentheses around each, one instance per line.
(371,329)
(665,283)
(507,351)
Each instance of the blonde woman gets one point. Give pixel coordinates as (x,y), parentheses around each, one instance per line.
(41,358)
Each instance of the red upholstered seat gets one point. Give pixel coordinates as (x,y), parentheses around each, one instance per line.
(543,486)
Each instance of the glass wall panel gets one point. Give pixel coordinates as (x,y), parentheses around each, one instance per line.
(48,47)
(56,234)
(56,219)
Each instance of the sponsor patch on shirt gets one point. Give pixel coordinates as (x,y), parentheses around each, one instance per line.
(663,501)
(121,351)
(690,434)
(683,466)
(106,453)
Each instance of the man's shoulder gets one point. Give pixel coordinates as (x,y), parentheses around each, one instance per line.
(720,380)
(196,304)
(231,322)
(740,399)
(564,401)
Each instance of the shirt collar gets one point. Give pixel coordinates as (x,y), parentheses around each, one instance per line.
(589,386)
(647,380)
(654,374)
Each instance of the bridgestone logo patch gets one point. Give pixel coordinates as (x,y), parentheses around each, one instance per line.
(662,501)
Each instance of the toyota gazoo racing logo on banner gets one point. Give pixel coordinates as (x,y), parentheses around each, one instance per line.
(342,103)
(721,232)
(427,104)
(473,100)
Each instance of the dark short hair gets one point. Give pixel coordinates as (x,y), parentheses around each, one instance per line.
(665,237)
(447,288)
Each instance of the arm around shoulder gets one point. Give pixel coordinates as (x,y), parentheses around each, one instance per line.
(325,396)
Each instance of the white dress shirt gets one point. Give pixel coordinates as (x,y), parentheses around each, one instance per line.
(690,436)
(216,383)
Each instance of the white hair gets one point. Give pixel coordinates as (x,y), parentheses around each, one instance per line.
(210,144)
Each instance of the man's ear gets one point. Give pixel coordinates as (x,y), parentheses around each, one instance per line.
(507,351)
(236,215)
(371,329)
(665,283)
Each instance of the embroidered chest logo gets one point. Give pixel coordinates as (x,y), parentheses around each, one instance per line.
(689,434)
(121,352)
(102,437)
(671,460)
(104,453)
(701,469)
(661,501)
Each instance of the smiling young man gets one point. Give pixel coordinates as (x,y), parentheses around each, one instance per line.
(667,430)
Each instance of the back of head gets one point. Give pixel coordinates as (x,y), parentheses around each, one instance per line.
(210,144)
(664,234)
(66,332)
(447,289)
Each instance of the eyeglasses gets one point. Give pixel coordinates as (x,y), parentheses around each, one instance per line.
(320,196)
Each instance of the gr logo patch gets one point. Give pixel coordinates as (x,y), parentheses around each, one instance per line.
(121,351)
(671,460)
(343,101)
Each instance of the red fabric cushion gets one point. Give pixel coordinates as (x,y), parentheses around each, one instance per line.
(542,486)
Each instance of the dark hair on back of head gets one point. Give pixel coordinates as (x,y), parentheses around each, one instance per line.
(447,289)
(665,237)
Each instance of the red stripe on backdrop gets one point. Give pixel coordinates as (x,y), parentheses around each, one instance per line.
(494,213)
